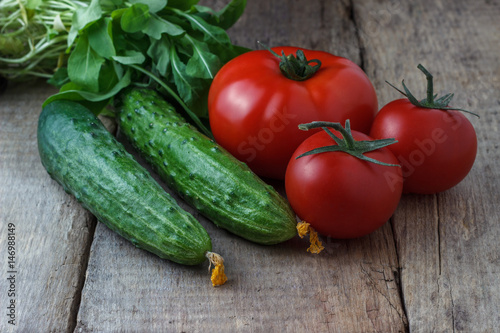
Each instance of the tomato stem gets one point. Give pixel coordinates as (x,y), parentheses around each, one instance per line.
(347,143)
(295,67)
(431,102)
(430,84)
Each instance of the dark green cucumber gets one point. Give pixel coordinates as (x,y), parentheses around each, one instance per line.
(82,156)
(203,173)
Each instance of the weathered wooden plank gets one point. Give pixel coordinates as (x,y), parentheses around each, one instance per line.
(447,243)
(320,24)
(52,232)
(351,287)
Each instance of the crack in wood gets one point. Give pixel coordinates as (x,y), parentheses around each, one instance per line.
(438,232)
(397,277)
(357,31)
(84,262)
(374,285)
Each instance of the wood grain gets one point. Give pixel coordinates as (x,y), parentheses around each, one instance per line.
(319,24)
(447,243)
(281,288)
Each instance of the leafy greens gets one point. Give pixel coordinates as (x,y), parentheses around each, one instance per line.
(175,46)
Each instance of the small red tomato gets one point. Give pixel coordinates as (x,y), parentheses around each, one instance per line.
(436,145)
(345,188)
(257,100)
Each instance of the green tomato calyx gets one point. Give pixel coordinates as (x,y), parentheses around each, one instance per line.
(347,143)
(430,102)
(296,67)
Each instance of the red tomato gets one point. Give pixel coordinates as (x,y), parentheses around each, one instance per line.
(340,195)
(436,148)
(254,109)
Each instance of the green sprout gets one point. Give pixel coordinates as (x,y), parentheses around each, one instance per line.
(33,36)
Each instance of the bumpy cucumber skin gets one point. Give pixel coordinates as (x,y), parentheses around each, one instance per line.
(203,173)
(81,155)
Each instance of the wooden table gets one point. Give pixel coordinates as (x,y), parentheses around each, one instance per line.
(434,267)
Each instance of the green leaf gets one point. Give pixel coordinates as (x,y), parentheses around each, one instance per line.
(82,18)
(59,78)
(116,15)
(100,40)
(154,5)
(226,53)
(84,65)
(159,52)
(224,18)
(130,57)
(211,34)
(231,13)
(186,86)
(72,91)
(33,4)
(157,26)
(111,3)
(109,75)
(199,105)
(135,18)
(203,64)
(118,69)
(206,13)
(182,4)
(119,37)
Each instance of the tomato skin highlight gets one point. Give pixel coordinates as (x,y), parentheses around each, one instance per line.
(436,148)
(340,195)
(254,110)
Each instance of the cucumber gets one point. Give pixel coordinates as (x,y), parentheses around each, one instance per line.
(81,155)
(204,174)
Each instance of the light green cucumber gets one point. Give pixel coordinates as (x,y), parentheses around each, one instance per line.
(82,156)
(204,174)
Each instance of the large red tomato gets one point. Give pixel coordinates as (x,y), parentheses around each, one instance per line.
(341,195)
(254,108)
(436,145)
